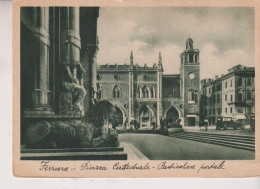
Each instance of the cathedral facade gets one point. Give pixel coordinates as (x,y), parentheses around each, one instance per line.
(58,47)
(147,95)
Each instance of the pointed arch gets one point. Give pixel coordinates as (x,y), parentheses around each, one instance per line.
(117,93)
(153,92)
(99,92)
(139,92)
(146,92)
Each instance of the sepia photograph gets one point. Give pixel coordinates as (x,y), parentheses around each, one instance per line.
(134,86)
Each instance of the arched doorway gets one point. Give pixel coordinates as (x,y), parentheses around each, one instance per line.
(119,117)
(145,117)
(172,115)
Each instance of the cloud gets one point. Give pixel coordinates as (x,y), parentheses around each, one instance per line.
(212,64)
(225,36)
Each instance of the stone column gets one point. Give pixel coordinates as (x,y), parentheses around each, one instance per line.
(89,50)
(94,74)
(70,39)
(36,20)
(69,56)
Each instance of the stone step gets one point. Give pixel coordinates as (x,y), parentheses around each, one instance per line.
(107,155)
(219,142)
(221,134)
(102,149)
(237,139)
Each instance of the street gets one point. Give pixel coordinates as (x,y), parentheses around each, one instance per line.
(159,147)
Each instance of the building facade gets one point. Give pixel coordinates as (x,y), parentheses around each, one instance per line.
(231,95)
(147,95)
(57,56)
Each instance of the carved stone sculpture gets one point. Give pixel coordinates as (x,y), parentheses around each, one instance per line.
(73,85)
(68,134)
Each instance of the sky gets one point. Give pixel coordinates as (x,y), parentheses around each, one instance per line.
(224,36)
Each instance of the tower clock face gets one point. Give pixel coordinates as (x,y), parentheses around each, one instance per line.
(192,75)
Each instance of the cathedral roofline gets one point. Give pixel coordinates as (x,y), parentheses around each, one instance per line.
(125,67)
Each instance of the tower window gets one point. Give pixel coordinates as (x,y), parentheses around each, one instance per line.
(190,58)
(192,97)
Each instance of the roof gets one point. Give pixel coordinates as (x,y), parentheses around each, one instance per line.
(233,71)
(126,67)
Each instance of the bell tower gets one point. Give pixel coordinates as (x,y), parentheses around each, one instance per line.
(190,83)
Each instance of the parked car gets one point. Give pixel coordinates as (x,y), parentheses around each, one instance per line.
(252,122)
(229,122)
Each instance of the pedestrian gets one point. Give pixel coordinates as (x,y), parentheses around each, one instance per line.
(206,123)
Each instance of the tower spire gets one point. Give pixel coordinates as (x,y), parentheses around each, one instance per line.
(131,59)
(160,60)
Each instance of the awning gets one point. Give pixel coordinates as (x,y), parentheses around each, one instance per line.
(240,104)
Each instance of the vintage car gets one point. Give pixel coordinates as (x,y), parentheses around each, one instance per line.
(252,122)
(229,122)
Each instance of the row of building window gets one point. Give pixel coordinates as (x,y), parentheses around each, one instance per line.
(214,89)
(219,88)
(216,98)
(227,111)
(144,92)
(240,82)
(213,111)
(190,58)
(240,96)
(117,77)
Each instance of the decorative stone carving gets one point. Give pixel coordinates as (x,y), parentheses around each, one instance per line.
(71,101)
(68,134)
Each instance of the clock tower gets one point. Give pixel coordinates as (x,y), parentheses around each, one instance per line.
(190,83)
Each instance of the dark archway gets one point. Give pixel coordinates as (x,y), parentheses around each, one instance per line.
(145,117)
(172,115)
(119,117)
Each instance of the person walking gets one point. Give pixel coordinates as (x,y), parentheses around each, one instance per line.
(206,123)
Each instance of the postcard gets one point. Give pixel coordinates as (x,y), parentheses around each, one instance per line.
(135,88)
